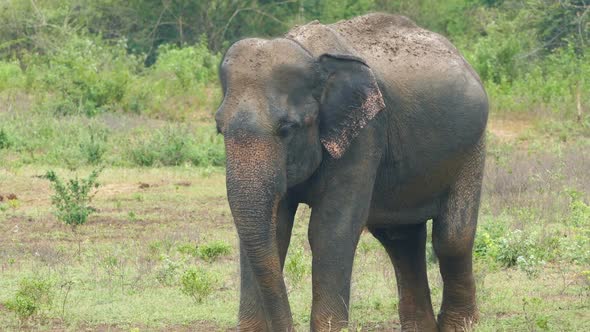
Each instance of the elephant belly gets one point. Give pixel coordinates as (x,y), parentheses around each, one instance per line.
(384,216)
(412,200)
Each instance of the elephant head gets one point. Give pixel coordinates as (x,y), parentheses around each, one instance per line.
(283,112)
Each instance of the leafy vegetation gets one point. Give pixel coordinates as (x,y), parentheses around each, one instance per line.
(197,283)
(34,295)
(72,199)
(209,252)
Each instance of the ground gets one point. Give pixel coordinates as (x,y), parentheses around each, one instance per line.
(121,270)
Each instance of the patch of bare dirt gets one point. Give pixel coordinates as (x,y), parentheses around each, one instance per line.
(508,129)
(114,189)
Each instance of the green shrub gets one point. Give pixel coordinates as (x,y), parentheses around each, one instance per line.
(579,210)
(32,297)
(83,76)
(487,238)
(188,249)
(514,245)
(295,267)
(94,148)
(167,274)
(72,199)
(177,145)
(527,250)
(11,76)
(192,66)
(211,251)
(5,141)
(197,283)
(181,80)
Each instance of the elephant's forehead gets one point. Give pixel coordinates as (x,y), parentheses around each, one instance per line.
(255,59)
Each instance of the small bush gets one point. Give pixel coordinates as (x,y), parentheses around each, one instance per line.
(86,75)
(513,246)
(177,145)
(188,249)
(72,199)
(579,210)
(197,283)
(94,148)
(295,267)
(32,297)
(167,274)
(11,76)
(211,251)
(5,142)
(531,265)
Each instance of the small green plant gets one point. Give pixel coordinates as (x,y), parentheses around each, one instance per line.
(535,320)
(167,275)
(209,252)
(32,297)
(94,148)
(13,203)
(197,283)
(295,267)
(132,216)
(514,245)
(161,248)
(531,265)
(72,199)
(188,249)
(5,141)
(579,210)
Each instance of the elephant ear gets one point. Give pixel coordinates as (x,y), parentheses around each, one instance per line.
(350,99)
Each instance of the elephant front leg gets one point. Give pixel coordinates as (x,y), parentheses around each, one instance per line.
(252,316)
(333,254)
(335,228)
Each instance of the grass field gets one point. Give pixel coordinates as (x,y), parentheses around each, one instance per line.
(123,269)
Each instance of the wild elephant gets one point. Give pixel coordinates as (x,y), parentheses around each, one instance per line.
(374,123)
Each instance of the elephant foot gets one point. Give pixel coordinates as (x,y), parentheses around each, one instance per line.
(449,321)
(419,326)
(252,325)
(418,321)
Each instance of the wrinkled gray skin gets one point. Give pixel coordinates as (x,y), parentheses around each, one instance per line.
(373,122)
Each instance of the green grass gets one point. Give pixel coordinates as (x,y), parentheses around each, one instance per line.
(155,226)
(107,139)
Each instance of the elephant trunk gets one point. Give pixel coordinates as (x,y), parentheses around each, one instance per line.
(256,182)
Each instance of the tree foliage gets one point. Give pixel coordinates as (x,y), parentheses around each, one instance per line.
(99,46)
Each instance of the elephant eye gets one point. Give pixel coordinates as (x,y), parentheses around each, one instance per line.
(286,127)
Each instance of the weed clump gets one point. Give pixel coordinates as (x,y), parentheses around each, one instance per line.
(94,148)
(295,267)
(167,274)
(209,252)
(34,295)
(5,141)
(72,199)
(197,283)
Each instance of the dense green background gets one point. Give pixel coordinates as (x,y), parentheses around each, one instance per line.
(82,56)
(68,61)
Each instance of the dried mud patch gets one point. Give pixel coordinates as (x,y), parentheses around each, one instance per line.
(509,129)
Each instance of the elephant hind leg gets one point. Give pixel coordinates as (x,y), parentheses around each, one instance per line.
(406,249)
(453,234)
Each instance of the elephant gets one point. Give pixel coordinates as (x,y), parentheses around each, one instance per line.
(376,124)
